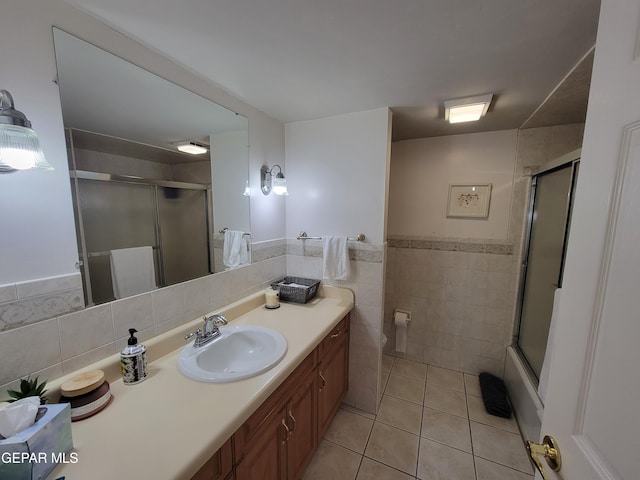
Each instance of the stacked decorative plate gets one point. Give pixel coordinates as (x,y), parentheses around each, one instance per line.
(88,393)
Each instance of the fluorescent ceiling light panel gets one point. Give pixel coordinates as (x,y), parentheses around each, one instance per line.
(468,109)
(192,148)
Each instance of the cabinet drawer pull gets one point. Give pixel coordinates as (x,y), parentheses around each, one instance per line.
(337,334)
(293,428)
(287,431)
(324,382)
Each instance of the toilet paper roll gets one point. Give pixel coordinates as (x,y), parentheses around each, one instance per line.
(400,319)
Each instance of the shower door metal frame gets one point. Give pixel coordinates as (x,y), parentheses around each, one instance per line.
(573,160)
(83,262)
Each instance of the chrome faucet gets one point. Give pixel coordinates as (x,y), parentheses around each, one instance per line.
(212,322)
(209,331)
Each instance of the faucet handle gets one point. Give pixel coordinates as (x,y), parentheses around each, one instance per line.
(197,334)
(219,319)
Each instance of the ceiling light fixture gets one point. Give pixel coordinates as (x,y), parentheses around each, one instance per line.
(468,109)
(19,145)
(192,148)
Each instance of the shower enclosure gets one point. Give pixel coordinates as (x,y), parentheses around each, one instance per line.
(548,227)
(114,212)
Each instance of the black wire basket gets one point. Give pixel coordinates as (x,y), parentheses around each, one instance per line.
(296,289)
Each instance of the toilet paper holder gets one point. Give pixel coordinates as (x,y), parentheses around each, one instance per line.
(401,319)
(406,312)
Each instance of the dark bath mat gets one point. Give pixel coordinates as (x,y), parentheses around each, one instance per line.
(494,395)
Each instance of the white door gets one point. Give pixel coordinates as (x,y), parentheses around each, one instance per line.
(593,399)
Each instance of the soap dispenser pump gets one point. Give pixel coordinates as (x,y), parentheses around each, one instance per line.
(133,360)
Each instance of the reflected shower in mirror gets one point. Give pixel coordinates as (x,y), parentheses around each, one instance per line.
(147,214)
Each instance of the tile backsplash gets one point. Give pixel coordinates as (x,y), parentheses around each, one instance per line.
(64,341)
(25,303)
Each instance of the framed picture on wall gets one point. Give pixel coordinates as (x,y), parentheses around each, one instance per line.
(469,201)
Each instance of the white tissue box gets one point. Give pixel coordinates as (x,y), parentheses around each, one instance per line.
(33,453)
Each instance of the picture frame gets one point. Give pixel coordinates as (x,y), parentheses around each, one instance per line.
(469,200)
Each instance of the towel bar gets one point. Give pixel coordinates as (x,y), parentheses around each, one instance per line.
(227,228)
(303,236)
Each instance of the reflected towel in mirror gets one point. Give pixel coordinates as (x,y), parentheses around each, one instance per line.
(132,271)
(236,249)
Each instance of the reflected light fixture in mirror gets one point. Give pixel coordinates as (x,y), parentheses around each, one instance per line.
(192,148)
(273,182)
(19,145)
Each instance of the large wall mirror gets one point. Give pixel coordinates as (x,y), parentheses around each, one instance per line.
(147,214)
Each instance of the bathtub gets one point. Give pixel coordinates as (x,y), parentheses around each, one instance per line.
(523,395)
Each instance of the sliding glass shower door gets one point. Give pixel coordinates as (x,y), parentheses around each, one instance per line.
(184,233)
(549,218)
(114,215)
(116,212)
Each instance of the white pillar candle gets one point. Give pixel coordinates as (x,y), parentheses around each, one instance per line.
(271,298)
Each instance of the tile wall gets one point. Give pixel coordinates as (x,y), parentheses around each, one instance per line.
(25,303)
(460,302)
(462,292)
(304,258)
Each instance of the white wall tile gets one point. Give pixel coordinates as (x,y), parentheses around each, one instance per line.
(85,330)
(43,286)
(75,363)
(133,312)
(18,347)
(168,303)
(8,293)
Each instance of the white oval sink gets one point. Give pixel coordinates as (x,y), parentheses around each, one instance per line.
(241,351)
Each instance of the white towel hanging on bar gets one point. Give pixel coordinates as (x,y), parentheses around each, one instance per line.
(335,255)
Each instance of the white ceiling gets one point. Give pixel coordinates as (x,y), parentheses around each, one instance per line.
(303,59)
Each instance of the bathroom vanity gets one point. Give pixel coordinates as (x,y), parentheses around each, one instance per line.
(267,426)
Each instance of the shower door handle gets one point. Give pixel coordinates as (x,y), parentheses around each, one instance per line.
(549,450)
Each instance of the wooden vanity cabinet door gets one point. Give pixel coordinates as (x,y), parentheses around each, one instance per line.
(219,466)
(333,374)
(302,417)
(266,457)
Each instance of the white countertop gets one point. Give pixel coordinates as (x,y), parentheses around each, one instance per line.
(168,426)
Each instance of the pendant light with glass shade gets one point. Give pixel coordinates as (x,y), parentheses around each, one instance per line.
(19,145)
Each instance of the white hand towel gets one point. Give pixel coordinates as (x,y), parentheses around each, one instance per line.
(132,271)
(335,258)
(236,249)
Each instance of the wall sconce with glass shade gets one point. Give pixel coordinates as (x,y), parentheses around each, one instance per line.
(469,109)
(19,145)
(273,182)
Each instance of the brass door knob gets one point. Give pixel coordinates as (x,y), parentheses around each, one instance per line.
(549,450)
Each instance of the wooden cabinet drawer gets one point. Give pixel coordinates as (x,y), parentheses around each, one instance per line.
(335,336)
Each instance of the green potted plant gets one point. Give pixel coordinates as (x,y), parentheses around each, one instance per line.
(29,388)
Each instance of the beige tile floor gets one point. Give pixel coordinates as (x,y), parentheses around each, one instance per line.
(431,425)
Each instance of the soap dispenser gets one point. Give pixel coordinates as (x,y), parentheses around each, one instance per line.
(133,360)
